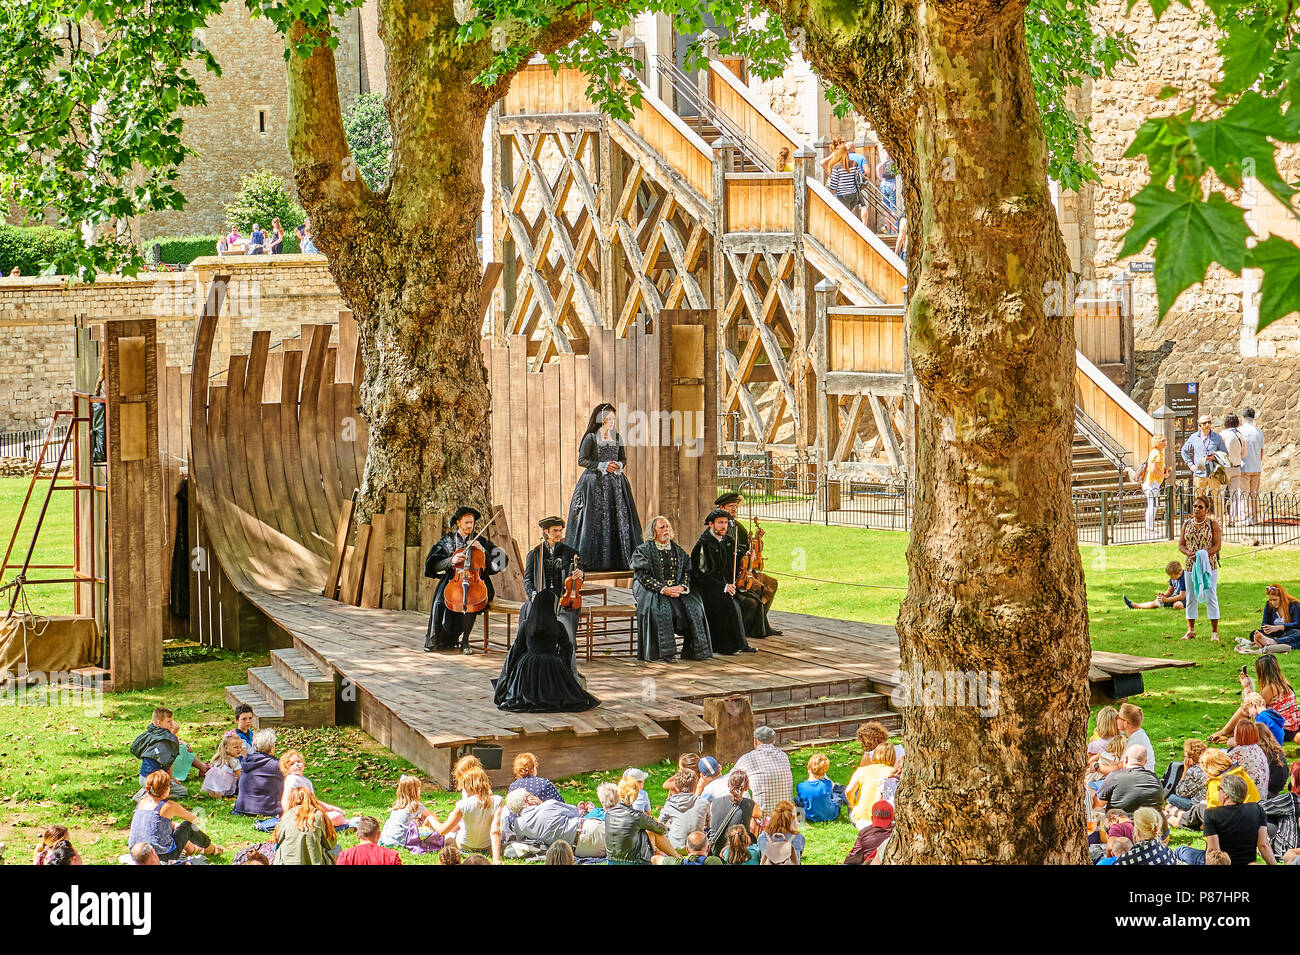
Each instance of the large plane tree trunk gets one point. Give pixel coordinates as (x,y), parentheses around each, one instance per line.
(995,582)
(405,258)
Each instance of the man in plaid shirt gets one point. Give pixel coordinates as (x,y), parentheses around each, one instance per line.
(770,779)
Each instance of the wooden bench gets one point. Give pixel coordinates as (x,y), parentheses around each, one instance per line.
(512,608)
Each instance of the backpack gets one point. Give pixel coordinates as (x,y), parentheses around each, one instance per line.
(693,860)
(779,852)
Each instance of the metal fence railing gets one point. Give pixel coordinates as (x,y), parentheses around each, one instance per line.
(27,444)
(1115,517)
(785,492)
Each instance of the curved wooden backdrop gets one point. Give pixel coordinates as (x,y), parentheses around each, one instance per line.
(271,461)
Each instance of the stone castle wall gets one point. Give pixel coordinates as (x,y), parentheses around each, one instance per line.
(38,317)
(1209,334)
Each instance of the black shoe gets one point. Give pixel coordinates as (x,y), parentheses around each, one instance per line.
(748,650)
(429,649)
(775,633)
(668,660)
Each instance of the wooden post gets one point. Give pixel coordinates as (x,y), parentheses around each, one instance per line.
(135,591)
(828,410)
(805,381)
(732,718)
(723,152)
(503,174)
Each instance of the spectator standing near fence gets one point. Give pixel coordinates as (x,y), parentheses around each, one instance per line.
(1198,454)
(1153,475)
(1252,465)
(1235,442)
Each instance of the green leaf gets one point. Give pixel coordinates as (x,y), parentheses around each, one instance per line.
(1190,235)
(1280,290)
(1247,51)
(1237,144)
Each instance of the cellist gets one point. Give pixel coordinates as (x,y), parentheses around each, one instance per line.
(448,629)
(756,618)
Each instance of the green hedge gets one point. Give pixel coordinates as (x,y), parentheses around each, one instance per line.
(27,247)
(184,249)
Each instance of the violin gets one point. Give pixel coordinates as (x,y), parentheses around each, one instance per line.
(467,592)
(752,563)
(572,598)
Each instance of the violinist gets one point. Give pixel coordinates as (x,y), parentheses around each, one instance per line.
(447,628)
(756,622)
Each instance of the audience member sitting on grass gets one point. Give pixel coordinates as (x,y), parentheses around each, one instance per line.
(1191,787)
(863,790)
(244,725)
(559,853)
(523,818)
(633,837)
(738,847)
(1235,826)
(637,777)
(1217,766)
(1147,847)
(144,854)
(260,781)
(781,842)
(62,853)
(697,852)
(449,854)
(222,778)
(873,836)
(50,838)
(683,810)
(1280,625)
(768,769)
(817,792)
(1107,729)
(1107,761)
(606,796)
(733,809)
(1174,596)
(870,735)
(293,765)
(368,851)
(255,858)
(713,783)
(1283,814)
(1133,786)
(167,826)
(689,761)
(1130,724)
(1273,704)
(157,749)
(1249,755)
(471,818)
(1114,849)
(1279,770)
(305,835)
(526,778)
(409,825)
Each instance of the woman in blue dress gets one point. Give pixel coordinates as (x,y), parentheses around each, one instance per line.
(603,525)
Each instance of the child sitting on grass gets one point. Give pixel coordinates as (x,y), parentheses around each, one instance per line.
(222,779)
(294,765)
(1174,596)
(817,792)
(410,826)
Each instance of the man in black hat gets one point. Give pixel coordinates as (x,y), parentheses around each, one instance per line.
(713,577)
(554,560)
(730,502)
(447,628)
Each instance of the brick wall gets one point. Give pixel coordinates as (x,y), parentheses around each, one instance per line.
(38,316)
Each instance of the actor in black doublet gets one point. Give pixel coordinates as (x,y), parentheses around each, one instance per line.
(546,567)
(665,603)
(603,523)
(447,629)
(730,502)
(713,563)
(537,679)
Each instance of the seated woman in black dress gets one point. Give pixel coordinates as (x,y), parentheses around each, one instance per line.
(536,677)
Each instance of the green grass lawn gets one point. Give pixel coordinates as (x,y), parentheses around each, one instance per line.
(54,544)
(71,766)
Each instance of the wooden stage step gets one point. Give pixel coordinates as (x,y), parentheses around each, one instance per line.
(292,691)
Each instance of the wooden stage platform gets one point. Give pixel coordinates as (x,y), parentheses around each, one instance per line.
(816,682)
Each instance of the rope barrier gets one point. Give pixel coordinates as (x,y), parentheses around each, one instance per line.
(841,583)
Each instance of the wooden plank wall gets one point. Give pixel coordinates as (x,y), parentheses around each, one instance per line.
(1123,428)
(871,343)
(135,570)
(760,202)
(1098,325)
(538,419)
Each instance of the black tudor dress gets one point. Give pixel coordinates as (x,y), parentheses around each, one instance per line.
(660,618)
(603,524)
(538,679)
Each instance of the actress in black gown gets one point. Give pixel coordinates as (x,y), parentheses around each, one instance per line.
(603,524)
(538,678)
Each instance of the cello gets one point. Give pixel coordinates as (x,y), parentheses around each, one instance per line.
(466,592)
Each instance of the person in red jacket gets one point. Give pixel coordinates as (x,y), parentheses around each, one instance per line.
(368,851)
